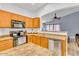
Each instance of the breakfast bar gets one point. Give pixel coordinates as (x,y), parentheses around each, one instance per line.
(55,36)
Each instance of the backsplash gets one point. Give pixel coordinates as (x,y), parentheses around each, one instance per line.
(5,31)
(32,30)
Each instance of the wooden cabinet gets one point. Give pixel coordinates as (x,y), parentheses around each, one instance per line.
(44,42)
(30,37)
(34,39)
(6,44)
(21,18)
(14,16)
(17,17)
(28,22)
(38,40)
(5,21)
(32,22)
(36,22)
(6,17)
(63,46)
(41,41)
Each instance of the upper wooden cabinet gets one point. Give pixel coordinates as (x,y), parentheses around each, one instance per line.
(28,22)
(17,17)
(6,17)
(21,18)
(36,22)
(14,17)
(32,22)
(5,21)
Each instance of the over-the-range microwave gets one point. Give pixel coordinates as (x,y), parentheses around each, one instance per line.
(17,24)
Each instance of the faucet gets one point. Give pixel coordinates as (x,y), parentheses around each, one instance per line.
(32,30)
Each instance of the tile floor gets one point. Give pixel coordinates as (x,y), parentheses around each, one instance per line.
(28,49)
(73,49)
(33,50)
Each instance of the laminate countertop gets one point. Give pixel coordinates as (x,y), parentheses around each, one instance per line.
(5,37)
(53,35)
(28,49)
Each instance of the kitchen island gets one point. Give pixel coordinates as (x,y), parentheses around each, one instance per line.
(60,37)
(45,37)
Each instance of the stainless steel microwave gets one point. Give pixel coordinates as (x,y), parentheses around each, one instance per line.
(17,24)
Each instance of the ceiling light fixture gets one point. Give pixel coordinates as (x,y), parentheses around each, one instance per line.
(56,17)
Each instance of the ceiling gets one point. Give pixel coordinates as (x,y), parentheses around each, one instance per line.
(43,9)
(31,6)
(34,7)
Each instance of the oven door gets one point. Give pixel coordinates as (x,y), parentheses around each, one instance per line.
(21,40)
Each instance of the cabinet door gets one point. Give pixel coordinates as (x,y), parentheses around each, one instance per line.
(34,39)
(44,42)
(30,37)
(38,40)
(5,21)
(63,47)
(20,18)
(17,17)
(6,44)
(36,22)
(14,17)
(28,22)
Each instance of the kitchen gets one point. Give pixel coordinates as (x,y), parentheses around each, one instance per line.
(25,33)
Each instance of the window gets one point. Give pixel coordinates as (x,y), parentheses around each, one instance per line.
(53,27)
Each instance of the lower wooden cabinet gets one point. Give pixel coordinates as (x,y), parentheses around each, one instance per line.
(63,46)
(42,41)
(30,37)
(36,40)
(6,44)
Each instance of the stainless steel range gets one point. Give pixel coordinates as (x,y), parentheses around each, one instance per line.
(19,37)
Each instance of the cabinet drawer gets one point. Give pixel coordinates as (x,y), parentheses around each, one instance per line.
(3,42)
